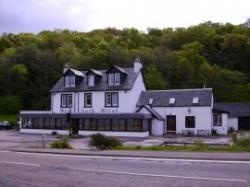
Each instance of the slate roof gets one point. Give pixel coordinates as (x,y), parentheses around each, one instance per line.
(233,109)
(101,86)
(151,110)
(183,97)
(76,72)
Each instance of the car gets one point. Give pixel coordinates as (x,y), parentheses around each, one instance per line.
(5,125)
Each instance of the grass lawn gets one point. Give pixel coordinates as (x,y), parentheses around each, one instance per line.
(192,148)
(8,117)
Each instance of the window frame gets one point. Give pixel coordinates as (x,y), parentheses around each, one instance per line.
(187,119)
(67,96)
(85,100)
(111,99)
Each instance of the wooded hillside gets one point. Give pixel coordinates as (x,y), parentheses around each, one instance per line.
(210,54)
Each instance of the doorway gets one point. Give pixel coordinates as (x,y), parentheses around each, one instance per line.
(75,126)
(171,124)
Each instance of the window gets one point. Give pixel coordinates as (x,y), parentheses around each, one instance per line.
(117,78)
(217,120)
(122,124)
(110,79)
(111,99)
(87,99)
(190,122)
(66,100)
(69,81)
(115,125)
(91,80)
(114,79)
(137,125)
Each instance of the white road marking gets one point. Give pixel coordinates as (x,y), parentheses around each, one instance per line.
(165,176)
(142,158)
(20,163)
(4,151)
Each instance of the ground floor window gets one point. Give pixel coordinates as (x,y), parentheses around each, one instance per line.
(190,122)
(217,121)
(87,124)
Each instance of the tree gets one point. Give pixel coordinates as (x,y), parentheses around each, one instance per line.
(154,79)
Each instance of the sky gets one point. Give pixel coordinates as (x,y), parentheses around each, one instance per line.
(85,15)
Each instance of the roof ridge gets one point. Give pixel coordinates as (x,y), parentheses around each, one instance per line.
(194,89)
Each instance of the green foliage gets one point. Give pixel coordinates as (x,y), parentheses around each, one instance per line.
(154,79)
(10,105)
(244,142)
(212,54)
(100,141)
(61,144)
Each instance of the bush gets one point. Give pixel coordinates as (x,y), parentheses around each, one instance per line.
(243,142)
(102,142)
(61,144)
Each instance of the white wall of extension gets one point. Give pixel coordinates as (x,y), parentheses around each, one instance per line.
(44,131)
(116,134)
(127,100)
(232,123)
(203,117)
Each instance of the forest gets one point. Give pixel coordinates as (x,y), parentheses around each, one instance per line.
(210,54)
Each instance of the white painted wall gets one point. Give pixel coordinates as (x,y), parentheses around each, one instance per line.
(203,117)
(223,128)
(115,134)
(232,122)
(127,100)
(44,131)
(158,127)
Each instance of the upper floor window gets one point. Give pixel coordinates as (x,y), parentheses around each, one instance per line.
(91,80)
(111,99)
(88,100)
(114,79)
(69,81)
(66,101)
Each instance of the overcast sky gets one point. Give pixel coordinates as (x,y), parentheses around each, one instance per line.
(85,15)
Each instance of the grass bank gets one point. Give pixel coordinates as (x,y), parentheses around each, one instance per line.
(191,148)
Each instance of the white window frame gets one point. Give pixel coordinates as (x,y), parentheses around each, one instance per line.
(117,77)
(69,81)
(66,100)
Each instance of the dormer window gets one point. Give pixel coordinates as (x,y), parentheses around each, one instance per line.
(91,80)
(114,79)
(69,81)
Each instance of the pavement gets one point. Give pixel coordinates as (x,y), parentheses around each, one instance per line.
(51,170)
(144,154)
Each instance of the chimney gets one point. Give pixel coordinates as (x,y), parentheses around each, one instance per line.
(137,65)
(65,68)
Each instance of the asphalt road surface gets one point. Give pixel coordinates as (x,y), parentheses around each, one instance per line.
(31,169)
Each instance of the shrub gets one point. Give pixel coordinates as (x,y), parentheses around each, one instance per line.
(61,144)
(243,142)
(102,142)
(234,137)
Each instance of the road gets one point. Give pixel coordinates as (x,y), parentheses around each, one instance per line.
(31,169)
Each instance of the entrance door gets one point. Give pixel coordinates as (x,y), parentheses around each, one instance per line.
(171,124)
(75,126)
